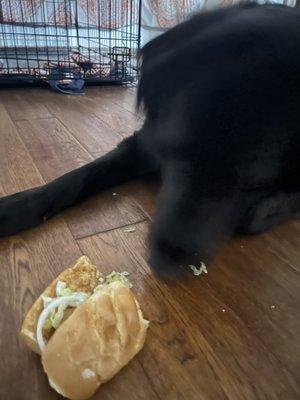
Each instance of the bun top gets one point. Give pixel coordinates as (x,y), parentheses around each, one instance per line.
(95,342)
(83,277)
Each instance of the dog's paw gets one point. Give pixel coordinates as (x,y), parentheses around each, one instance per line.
(20,211)
(171,257)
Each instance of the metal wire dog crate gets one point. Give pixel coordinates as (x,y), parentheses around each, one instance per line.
(59,40)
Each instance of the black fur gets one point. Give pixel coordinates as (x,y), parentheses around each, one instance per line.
(221,94)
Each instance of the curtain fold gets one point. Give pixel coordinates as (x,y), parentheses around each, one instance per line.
(167,13)
(160,15)
(107,14)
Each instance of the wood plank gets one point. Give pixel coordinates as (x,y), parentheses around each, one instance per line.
(123,96)
(93,134)
(77,116)
(288,236)
(145,193)
(130,383)
(262,290)
(122,121)
(113,99)
(55,152)
(2,193)
(195,349)
(106,104)
(268,289)
(57,103)
(116,207)
(103,212)
(17,170)
(21,105)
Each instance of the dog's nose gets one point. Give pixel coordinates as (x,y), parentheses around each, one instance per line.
(166,268)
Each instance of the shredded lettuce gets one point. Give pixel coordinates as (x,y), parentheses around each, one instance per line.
(129,230)
(67,292)
(118,276)
(114,277)
(48,324)
(200,270)
(62,289)
(99,287)
(59,303)
(60,286)
(56,316)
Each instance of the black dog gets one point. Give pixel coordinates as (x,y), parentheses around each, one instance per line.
(221,95)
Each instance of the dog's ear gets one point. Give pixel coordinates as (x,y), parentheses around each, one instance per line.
(191,223)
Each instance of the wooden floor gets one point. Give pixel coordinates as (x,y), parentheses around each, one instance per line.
(232,334)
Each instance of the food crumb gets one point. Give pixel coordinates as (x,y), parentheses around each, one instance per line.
(273,306)
(114,194)
(223,310)
(129,230)
(200,270)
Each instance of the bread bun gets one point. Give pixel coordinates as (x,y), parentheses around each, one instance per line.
(83,277)
(100,337)
(95,338)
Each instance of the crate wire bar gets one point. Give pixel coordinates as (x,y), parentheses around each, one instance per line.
(94,40)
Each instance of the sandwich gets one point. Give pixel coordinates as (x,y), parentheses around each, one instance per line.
(86,327)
